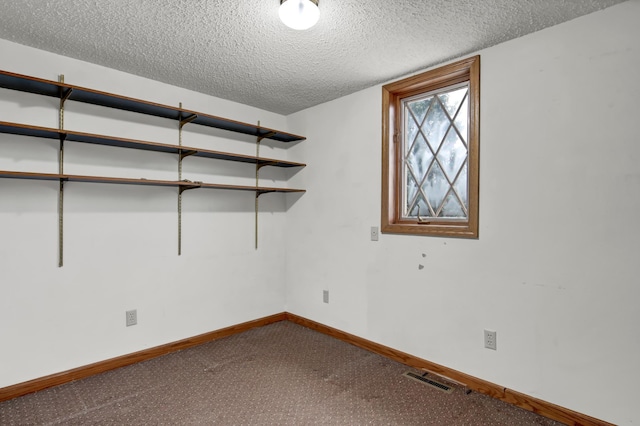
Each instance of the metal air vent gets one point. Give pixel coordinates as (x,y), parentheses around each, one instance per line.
(429,382)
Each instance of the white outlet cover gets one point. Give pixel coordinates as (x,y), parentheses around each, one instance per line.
(375,233)
(491,339)
(132,317)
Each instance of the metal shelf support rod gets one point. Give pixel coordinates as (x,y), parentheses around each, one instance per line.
(258,167)
(63,97)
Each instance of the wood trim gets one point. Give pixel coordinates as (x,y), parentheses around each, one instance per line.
(518,399)
(474,145)
(35,385)
(392,157)
(437,77)
(526,402)
(405,358)
(551,411)
(388,156)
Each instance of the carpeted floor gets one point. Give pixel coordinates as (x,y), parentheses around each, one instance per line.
(280,374)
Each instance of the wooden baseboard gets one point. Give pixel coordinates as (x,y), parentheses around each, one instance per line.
(122,361)
(526,402)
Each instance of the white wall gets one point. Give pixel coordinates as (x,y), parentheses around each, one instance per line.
(121,241)
(555,270)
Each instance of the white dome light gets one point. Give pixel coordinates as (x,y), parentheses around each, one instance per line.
(299,14)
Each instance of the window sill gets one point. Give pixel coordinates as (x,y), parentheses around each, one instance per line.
(432,229)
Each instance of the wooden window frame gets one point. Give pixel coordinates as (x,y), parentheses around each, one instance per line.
(392,96)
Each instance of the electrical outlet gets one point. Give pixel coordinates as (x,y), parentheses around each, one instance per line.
(491,339)
(374,233)
(325,296)
(132,317)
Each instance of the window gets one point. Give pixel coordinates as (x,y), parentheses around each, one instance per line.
(430,142)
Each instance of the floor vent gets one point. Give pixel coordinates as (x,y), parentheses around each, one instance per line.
(427,381)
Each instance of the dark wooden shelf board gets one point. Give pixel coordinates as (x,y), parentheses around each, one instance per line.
(120,142)
(248,188)
(205,153)
(240,127)
(25,130)
(44,132)
(28,84)
(81,94)
(125,181)
(278,163)
(28,175)
(90,179)
(130,181)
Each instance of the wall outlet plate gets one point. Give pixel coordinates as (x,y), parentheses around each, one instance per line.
(325,296)
(132,317)
(491,339)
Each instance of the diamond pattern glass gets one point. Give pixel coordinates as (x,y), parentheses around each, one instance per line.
(461,121)
(419,110)
(461,185)
(452,154)
(451,207)
(436,125)
(420,157)
(412,188)
(420,206)
(436,186)
(436,152)
(452,100)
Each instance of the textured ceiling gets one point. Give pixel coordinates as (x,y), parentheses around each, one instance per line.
(239,50)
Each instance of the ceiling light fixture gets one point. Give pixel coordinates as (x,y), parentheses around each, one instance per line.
(299,14)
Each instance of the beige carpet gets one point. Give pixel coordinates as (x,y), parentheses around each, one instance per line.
(281,374)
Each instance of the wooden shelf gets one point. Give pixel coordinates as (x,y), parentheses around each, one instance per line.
(259,189)
(39,86)
(149,182)
(25,175)
(49,133)
(66,92)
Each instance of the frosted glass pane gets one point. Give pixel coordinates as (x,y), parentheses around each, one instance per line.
(429,130)
(436,125)
(461,121)
(424,208)
(412,189)
(411,130)
(452,208)
(462,186)
(420,157)
(452,100)
(436,186)
(452,154)
(419,108)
